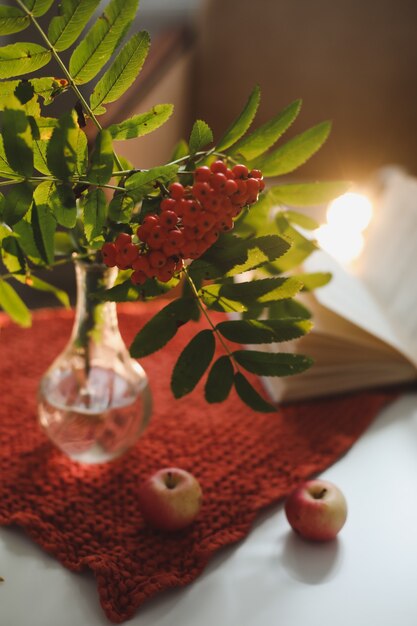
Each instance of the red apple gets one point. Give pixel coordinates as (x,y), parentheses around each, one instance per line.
(316,510)
(170,499)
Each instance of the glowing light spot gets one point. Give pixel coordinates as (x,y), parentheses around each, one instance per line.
(347,217)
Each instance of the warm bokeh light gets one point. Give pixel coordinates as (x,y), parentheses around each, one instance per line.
(352,211)
(347,217)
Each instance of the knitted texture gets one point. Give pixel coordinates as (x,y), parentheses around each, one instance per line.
(88,516)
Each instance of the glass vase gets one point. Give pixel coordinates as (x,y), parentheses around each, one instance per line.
(94,400)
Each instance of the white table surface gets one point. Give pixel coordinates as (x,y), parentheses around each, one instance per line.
(367,577)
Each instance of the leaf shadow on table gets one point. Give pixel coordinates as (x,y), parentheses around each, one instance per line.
(309,562)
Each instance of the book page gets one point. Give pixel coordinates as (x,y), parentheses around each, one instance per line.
(347,296)
(388,264)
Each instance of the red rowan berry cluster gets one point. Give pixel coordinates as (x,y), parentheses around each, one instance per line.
(189,222)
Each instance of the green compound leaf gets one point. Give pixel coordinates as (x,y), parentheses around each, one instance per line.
(162,327)
(231,256)
(95,213)
(37,7)
(17,59)
(13,305)
(142,183)
(12,20)
(122,73)
(243,122)
(63,204)
(93,52)
(294,153)
(73,16)
(263,331)
(201,135)
(102,159)
(220,380)
(17,138)
(142,124)
(266,135)
(248,394)
(272,363)
(192,363)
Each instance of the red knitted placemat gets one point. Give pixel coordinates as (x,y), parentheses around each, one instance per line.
(88,517)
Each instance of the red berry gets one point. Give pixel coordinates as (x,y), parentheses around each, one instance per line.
(128,253)
(201,190)
(202,174)
(143,232)
(218,166)
(156,238)
(108,252)
(168,219)
(176,191)
(138,277)
(218,182)
(240,171)
(157,259)
(255,173)
(175,237)
(230,187)
(168,204)
(252,186)
(142,263)
(122,240)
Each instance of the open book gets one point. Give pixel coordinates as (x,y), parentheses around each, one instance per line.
(365,322)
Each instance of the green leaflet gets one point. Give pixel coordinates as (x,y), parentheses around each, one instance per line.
(95,210)
(93,52)
(142,124)
(272,363)
(13,305)
(63,204)
(17,138)
(12,20)
(294,153)
(44,226)
(261,291)
(266,135)
(41,285)
(201,135)
(123,71)
(241,125)
(73,16)
(192,363)
(37,7)
(220,380)
(263,331)
(6,170)
(121,207)
(17,202)
(17,59)
(144,182)
(248,394)
(306,194)
(61,153)
(162,327)
(102,159)
(12,255)
(285,309)
(314,280)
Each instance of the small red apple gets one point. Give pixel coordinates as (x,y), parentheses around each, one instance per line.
(316,510)
(170,499)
